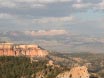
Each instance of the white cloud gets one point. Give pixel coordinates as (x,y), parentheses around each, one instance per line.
(79,4)
(5,16)
(20,4)
(43,1)
(6,3)
(37,5)
(46,32)
(54,19)
(27,3)
(79,1)
(101,5)
(82,5)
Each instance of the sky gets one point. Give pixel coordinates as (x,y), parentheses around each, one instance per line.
(57,16)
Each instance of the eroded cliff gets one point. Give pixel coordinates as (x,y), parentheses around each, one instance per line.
(31,50)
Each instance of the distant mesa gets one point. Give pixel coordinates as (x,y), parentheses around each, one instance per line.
(30,50)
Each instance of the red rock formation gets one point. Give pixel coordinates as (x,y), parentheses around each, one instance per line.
(10,49)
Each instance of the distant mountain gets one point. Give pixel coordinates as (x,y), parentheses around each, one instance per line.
(61,42)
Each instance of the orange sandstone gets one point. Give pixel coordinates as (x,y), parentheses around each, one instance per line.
(10,49)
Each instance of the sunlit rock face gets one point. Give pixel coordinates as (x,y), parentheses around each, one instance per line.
(10,49)
(75,72)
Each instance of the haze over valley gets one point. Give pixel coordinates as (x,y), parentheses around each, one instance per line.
(51,38)
(56,40)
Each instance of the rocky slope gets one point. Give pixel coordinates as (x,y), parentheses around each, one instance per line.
(75,72)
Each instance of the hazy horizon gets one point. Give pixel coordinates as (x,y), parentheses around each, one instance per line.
(72,25)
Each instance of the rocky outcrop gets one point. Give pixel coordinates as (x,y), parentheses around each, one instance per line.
(75,72)
(52,64)
(40,75)
(10,49)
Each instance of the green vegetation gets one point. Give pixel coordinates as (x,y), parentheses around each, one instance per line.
(20,67)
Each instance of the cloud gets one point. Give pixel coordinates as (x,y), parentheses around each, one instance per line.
(46,8)
(6,3)
(21,4)
(28,3)
(78,1)
(37,6)
(82,5)
(5,16)
(101,5)
(79,4)
(46,32)
(54,19)
(43,1)
(46,14)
